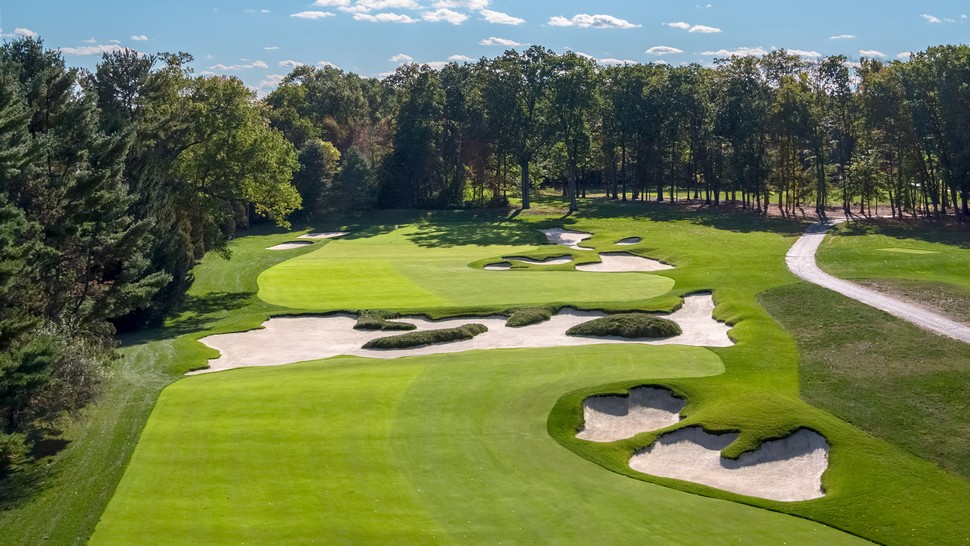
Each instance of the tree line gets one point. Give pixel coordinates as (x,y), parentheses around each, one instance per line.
(114,182)
(777,129)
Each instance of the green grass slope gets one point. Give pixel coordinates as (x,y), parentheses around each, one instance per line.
(441,449)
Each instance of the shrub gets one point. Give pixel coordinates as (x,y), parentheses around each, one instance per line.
(629,325)
(427,337)
(528,316)
(378,320)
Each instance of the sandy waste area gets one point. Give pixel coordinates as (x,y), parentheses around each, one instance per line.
(285,340)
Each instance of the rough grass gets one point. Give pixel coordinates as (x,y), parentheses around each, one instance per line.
(528,316)
(379,321)
(427,337)
(881,374)
(628,325)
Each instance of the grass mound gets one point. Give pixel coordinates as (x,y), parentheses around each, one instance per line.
(629,325)
(377,320)
(528,316)
(427,337)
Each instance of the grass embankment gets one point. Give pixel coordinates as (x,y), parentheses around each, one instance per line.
(528,316)
(921,262)
(427,337)
(379,321)
(628,325)
(438,449)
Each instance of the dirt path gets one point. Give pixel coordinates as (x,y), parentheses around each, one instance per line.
(801,262)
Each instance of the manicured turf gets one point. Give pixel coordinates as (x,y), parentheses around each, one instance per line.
(351,450)
(415,269)
(442,449)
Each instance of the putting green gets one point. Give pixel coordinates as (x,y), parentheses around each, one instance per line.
(394,271)
(439,449)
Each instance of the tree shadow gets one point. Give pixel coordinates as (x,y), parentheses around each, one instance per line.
(450,234)
(723,217)
(195,314)
(949,233)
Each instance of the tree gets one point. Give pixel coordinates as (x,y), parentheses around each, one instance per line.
(319,162)
(571,92)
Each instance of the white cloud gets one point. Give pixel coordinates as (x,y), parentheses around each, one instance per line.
(499,18)
(91,50)
(739,52)
(614,62)
(871,53)
(264,11)
(803,53)
(271,81)
(663,50)
(680,24)
(140,38)
(90,41)
(25,32)
(460,59)
(704,29)
(584,20)
(843,37)
(271,48)
(444,14)
(437,65)
(290,64)
(254,64)
(371,5)
(401,58)
(331,3)
(905,55)
(354,9)
(493,41)
(384,18)
(475,5)
(115,41)
(326,64)
(312,14)
(931,19)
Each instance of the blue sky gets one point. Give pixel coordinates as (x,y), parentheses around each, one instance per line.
(260,41)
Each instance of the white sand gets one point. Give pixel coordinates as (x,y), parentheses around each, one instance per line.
(323,235)
(611,418)
(285,340)
(290,245)
(789,469)
(498,266)
(629,241)
(566,237)
(615,262)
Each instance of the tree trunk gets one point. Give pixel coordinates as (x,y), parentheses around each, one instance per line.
(524,165)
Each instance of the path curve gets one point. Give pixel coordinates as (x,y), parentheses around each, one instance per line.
(801,261)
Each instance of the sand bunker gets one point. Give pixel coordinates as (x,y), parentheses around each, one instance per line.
(629,241)
(551,260)
(498,266)
(323,235)
(611,418)
(566,237)
(615,262)
(289,246)
(789,469)
(285,340)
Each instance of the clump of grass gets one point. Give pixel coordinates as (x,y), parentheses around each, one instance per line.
(379,320)
(528,316)
(427,337)
(629,325)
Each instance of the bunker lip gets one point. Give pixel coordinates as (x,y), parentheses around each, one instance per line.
(618,262)
(290,245)
(607,418)
(629,241)
(323,235)
(566,237)
(549,260)
(787,469)
(285,340)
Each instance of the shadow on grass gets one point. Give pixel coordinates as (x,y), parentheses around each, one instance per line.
(449,234)
(949,233)
(197,313)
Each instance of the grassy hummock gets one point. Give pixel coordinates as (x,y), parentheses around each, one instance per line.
(629,325)
(528,316)
(427,337)
(378,320)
